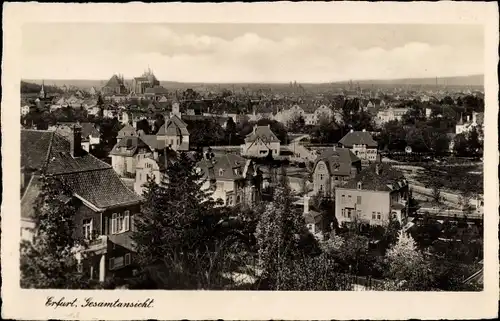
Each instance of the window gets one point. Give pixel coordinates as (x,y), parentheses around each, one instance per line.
(349,196)
(120,222)
(321,187)
(127,259)
(238,199)
(87,229)
(321,176)
(374,216)
(349,210)
(359,185)
(358,199)
(221,172)
(378,216)
(343,212)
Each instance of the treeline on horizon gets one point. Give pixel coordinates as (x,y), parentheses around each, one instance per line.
(32,88)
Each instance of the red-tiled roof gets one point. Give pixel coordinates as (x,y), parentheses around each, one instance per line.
(358,138)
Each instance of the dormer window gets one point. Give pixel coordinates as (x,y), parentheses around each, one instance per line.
(359,185)
(221,172)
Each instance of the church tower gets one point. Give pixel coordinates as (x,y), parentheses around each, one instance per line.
(43,94)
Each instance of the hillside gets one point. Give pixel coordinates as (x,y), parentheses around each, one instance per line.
(463,81)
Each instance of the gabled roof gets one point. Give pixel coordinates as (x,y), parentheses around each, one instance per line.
(387,180)
(232,166)
(88,129)
(173,127)
(114,82)
(50,152)
(128,146)
(358,138)
(127,130)
(264,133)
(338,161)
(87,177)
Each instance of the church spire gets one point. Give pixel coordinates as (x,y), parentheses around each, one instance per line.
(42,90)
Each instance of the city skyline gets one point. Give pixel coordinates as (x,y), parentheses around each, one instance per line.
(270,53)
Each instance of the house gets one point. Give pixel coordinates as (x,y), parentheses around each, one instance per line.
(323,113)
(334,167)
(466,127)
(361,143)
(174,133)
(127,152)
(390,114)
(155,93)
(152,167)
(374,196)
(90,134)
(114,86)
(261,142)
(126,131)
(232,178)
(106,208)
(313,219)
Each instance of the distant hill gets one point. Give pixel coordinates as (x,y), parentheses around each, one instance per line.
(472,80)
(462,81)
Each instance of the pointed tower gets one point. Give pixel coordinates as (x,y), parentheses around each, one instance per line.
(43,94)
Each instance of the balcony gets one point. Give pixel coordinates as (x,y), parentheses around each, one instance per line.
(98,244)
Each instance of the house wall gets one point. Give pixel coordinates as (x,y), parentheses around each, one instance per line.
(321,179)
(371,201)
(260,149)
(83,212)
(364,153)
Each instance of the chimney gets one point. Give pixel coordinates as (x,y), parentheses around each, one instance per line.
(76,141)
(334,147)
(306,204)
(377,169)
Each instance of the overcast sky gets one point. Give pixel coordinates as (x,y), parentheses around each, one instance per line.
(251,52)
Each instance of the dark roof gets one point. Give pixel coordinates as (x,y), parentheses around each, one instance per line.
(50,152)
(103,188)
(128,146)
(114,82)
(88,129)
(86,176)
(29,197)
(157,90)
(127,130)
(388,178)
(263,132)
(358,138)
(173,127)
(312,217)
(233,167)
(338,161)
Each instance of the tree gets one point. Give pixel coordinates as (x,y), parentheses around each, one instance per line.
(278,232)
(297,124)
(231,131)
(180,231)
(406,264)
(159,121)
(392,136)
(49,262)
(460,145)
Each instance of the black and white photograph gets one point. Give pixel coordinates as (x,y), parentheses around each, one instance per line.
(252,157)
